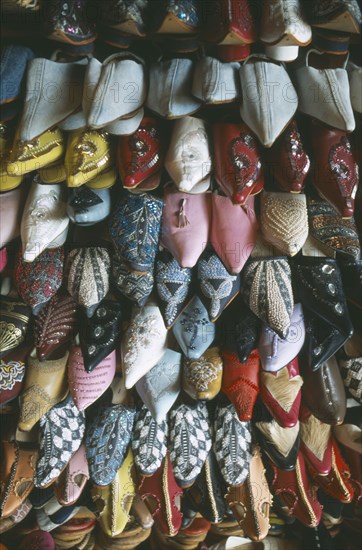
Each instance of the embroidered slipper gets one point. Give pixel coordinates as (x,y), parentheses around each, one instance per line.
(316,442)
(135,286)
(108,437)
(143,344)
(189,442)
(173,284)
(45,386)
(201,378)
(38,281)
(14,321)
(72,481)
(218,287)
(100,334)
(266,287)
(61,434)
(161,386)
(232,443)
(149,442)
(281,445)
(88,270)
(55,325)
(193,330)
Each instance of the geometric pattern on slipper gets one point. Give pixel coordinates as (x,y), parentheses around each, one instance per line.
(107,440)
(351,370)
(232,444)
(267,289)
(190,441)
(149,442)
(160,387)
(61,434)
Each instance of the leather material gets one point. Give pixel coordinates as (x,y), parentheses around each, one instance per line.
(287,160)
(276,352)
(26,156)
(323,392)
(160,387)
(255,74)
(39,540)
(143,344)
(17,475)
(233,231)
(141,155)
(269,439)
(14,321)
(227,25)
(38,281)
(114,500)
(336,173)
(217,286)
(86,387)
(336,483)
(45,386)
(55,325)
(105,453)
(193,330)
(88,153)
(316,444)
(320,289)
(11,210)
(44,223)
(241,382)
(160,492)
(188,159)
(100,334)
(296,494)
(71,483)
(322,341)
(185,225)
(206,495)
(284,407)
(253,519)
(237,161)
(238,329)
(12,372)
(201,378)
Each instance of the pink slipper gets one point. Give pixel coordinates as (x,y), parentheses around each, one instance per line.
(87,387)
(71,482)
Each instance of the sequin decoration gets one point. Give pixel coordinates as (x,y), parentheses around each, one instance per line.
(246,165)
(200,373)
(38,281)
(140,334)
(107,440)
(120,11)
(68,17)
(217,285)
(135,228)
(299,160)
(338,234)
(343,167)
(267,289)
(88,275)
(144,145)
(173,286)
(135,286)
(185,10)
